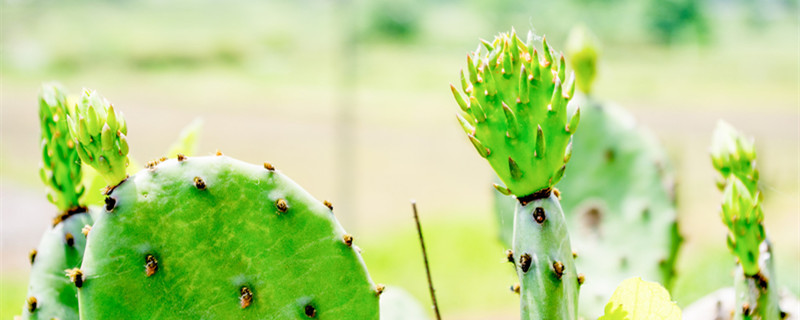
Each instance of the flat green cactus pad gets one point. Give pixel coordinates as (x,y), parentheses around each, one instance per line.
(216,238)
(50,293)
(515,112)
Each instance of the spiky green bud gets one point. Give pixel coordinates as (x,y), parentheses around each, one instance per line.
(734,154)
(741,212)
(583,50)
(61,166)
(99,134)
(515,112)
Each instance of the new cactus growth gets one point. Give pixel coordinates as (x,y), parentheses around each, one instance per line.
(212,237)
(515,114)
(50,294)
(623,207)
(99,133)
(733,155)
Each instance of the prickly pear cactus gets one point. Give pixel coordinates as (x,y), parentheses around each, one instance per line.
(515,115)
(210,237)
(50,294)
(622,209)
(734,157)
(213,237)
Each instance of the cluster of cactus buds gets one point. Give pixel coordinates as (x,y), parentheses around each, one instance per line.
(99,133)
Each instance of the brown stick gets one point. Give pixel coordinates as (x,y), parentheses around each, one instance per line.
(425,258)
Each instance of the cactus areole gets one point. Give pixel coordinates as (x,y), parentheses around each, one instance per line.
(216,238)
(513,109)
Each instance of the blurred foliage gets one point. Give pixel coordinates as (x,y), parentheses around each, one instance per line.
(670,20)
(395,20)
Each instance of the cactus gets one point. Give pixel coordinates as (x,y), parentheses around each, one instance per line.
(625,231)
(515,115)
(734,157)
(50,295)
(210,237)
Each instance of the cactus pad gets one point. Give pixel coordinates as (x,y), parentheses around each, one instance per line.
(213,237)
(515,112)
(51,294)
(544,262)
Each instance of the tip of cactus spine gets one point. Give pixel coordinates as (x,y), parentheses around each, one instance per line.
(746,309)
(510,255)
(558,268)
(581,279)
(218,153)
(310,311)
(69,239)
(525,262)
(281,205)
(32,256)
(181,157)
(32,303)
(269,166)
(574,254)
(86,229)
(245,297)
(328,204)
(515,288)
(199,183)
(150,265)
(379,289)
(76,276)
(110,203)
(539,215)
(348,239)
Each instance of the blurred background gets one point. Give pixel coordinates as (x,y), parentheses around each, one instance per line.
(350,99)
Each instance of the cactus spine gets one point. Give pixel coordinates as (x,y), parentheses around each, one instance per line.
(210,237)
(734,157)
(515,115)
(50,295)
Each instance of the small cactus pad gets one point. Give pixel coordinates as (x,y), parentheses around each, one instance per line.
(582,50)
(61,248)
(732,153)
(99,134)
(544,261)
(247,242)
(741,212)
(514,111)
(61,167)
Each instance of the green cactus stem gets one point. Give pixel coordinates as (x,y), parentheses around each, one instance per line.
(99,133)
(734,157)
(514,112)
(61,166)
(214,237)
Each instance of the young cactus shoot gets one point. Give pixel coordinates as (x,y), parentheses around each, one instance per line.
(734,156)
(514,112)
(99,134)
(61,167)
